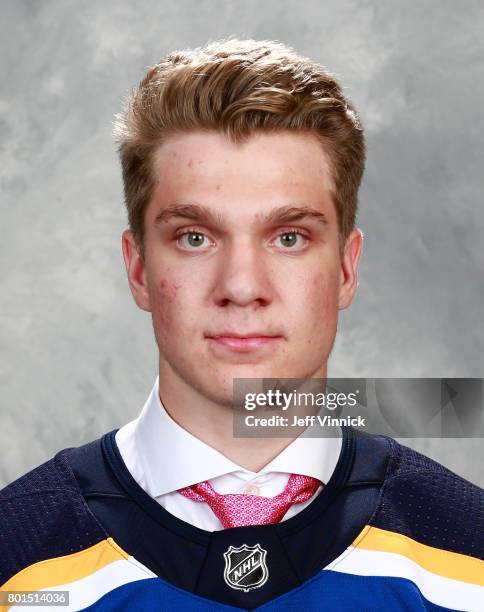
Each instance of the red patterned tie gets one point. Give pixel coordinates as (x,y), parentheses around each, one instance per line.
(235,510)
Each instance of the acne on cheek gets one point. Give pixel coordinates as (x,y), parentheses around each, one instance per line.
(164,299)
(169,289)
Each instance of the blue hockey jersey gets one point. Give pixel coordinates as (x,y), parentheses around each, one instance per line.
(391,530)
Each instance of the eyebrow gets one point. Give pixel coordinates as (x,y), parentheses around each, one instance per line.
(197,212)
(282,214)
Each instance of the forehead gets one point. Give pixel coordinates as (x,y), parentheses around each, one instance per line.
(268,169)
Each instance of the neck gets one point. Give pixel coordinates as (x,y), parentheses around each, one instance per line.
(213,423)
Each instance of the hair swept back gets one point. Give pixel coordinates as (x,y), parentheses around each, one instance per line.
(238,87)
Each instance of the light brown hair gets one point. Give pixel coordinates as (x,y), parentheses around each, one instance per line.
(238,87)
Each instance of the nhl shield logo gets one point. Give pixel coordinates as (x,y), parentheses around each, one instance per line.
(245,567)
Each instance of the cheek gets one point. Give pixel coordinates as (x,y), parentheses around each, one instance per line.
(166,300)
(321,306)
(323,292)
(169,289)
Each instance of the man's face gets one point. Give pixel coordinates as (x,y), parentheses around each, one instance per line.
(242,240)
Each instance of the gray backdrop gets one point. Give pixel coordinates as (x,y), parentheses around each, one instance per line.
(77,357)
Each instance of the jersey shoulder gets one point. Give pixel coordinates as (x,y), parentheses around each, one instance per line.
(429,503)
(44,515)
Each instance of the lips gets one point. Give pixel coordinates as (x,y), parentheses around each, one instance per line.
(243,342)
(234,334)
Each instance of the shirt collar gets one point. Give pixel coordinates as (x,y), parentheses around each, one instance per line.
(171,458)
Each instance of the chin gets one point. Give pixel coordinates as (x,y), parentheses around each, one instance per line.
(258,371)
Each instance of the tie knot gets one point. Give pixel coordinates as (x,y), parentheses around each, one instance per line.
(238,510)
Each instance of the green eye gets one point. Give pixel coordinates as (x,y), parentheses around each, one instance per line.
(192,240)
(195,239)
(289,239)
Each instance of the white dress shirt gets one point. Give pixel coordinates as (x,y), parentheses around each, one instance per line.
(163,457)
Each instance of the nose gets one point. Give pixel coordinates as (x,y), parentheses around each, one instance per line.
(244,275)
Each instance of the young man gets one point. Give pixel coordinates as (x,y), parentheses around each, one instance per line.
(241,166)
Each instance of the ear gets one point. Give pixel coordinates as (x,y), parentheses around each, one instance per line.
(136,270)
(349,268)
